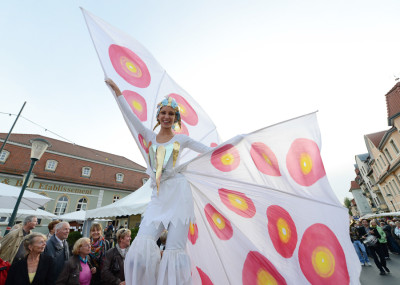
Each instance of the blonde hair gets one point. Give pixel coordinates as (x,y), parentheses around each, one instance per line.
(121,233)
(30,239)
(96,226)
(163,236)
(78,244)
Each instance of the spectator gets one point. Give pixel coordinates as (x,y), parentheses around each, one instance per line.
(397,230)
(11,244)
(35,268)
(358,245)
(78,269)
(371,238)
(99,246)
(108,232)
(57,247)
(113,269)
(391,242)
(51,226)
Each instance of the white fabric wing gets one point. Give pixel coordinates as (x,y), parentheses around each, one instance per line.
(264,208)
(144,83)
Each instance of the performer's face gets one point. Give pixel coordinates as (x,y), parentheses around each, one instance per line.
(166,117)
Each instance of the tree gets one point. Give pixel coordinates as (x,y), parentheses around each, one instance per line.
(347,204)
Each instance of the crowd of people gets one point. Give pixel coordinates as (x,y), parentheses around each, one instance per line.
(34,258)
(374,239)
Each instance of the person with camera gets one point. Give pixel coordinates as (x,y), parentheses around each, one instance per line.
(113,269)
(372,238)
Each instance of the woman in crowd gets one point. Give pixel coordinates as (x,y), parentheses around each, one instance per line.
(376,247)
(36,268)
(51,227)
(99,246)
(113,269)
(78,269)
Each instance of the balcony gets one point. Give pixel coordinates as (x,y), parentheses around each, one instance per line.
(374,210)
(375,189)
(384,207)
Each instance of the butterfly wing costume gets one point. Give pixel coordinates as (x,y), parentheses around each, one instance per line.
(255,209)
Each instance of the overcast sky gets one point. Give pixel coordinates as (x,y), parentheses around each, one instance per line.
(248,63)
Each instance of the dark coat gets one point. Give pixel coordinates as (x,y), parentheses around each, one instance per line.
(110,275)
(18,273)
(71,271)
(58,253)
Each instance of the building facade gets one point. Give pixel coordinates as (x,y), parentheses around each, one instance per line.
(360,206)
(75,177)
(383,163)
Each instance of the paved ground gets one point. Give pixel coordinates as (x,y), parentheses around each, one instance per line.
(370,274)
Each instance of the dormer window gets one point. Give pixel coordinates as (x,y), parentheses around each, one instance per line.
(86,171)
(4,155)
(119,177)
(51,165)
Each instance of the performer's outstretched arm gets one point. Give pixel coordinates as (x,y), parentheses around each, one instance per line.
(133,119)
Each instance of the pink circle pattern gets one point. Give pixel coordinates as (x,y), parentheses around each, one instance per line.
(134,100)
(121,57)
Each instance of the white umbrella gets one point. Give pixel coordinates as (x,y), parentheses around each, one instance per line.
(30,201)
(132,204)
(73,216)
(22,213)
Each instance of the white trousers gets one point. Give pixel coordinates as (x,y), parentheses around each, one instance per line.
(142,263)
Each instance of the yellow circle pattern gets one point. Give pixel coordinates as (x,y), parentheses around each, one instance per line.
(305,163)
(191,229)
(137,105)
(218,221)
(238,202)
(264,278)
(323,261)
(131,66)
(266,158)
(227,159)
(283,230)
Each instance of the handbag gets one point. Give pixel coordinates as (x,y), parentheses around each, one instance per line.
(370,240)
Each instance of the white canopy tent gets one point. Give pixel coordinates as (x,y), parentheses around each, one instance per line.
(132,204)
(73,216)
(371,216)
(30,201)
(22,213)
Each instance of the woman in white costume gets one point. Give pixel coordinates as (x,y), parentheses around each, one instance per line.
(171,205)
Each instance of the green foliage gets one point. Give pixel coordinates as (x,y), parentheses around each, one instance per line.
(134,233)
(347,202)
(73,237)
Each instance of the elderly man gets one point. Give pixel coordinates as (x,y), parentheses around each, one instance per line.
(57,247)
(11,245)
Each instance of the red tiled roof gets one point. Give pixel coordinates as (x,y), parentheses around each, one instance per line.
(354,185)
(393,101)
(376,138)
(75,150)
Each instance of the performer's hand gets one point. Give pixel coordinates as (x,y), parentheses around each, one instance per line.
(113,86)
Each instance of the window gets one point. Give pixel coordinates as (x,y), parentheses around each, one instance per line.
(115,198)
(3,219)
(86,171)
(144,180)
(395,186)
(383,161)
(391,188)
(388,155)
(119,177)
(82,204)
(394,146)
(61,205)
(386,190)
(379,164)
(4,155)
(51,165)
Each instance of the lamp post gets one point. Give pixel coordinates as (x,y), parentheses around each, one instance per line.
(39,147)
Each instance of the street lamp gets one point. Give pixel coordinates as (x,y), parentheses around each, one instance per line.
(39,147)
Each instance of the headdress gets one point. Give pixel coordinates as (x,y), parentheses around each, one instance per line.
(169,101)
